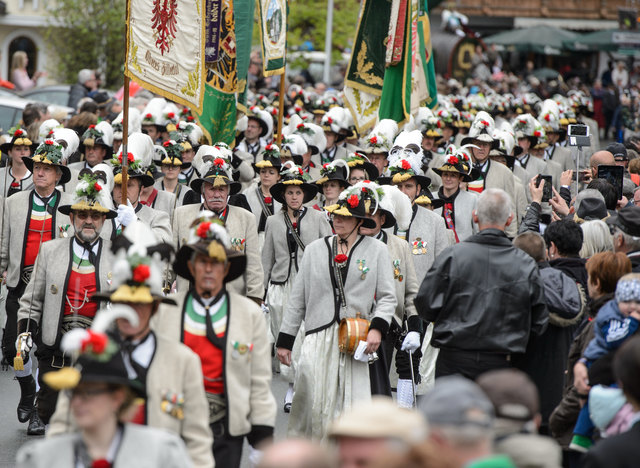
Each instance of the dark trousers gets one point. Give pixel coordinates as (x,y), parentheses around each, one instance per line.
(403,367)
(48,361)
(469,364)
(11,328)
(379,373)
(227,449)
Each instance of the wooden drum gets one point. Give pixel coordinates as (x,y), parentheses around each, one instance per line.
(351,332)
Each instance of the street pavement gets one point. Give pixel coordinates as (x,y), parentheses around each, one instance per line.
(14,434)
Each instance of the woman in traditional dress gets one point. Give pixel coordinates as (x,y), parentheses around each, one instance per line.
(286,236)
(343,276)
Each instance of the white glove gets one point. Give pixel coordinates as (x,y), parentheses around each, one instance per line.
(411,342)
(254,456)
(126,214)
(24,343)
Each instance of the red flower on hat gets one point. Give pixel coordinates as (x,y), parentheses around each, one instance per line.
(329,120)
(537,133)
(190,118)
(92,126)
(185,111)
(373,140)
(18,132)
(102,463)
(203,229)
(367,181)
(269,147)
(49,142)
(484,122)
(148,116)
(141,273)
(129,157)
(51,133)
(300,126)
(325,165)
(440,112)
(268,200)
(364,189)
(97,187)
(353,201)
(453,160)
(304,117)
(300,171)
(405,165)
(547,117)
(274,111)
(167,143)
(523,121)
(340,258)
(439,124)
(97,342)
(218,162)
(170,115)
(297,108)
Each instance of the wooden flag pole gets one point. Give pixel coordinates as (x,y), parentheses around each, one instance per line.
(125,141)
(280,109)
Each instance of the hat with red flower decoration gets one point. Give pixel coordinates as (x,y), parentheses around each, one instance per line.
(336,121)
(214,169)
(140,153)
(208,236)
(293,148)
(337,170)
(47,128)
(270,158)
(152,113)
(293,175)
(49,152)
(482,130)
(457,160)
(312,134)
(171,154)
(380,140)
(526,126)
(404,169)
(19,137)
(549,116)
(98,354)
(354,202)
(134,124)
(360,161)
(91,194)
(100,134)
(138,267)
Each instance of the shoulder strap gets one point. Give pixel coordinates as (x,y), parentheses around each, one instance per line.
(294,231)
(336,276)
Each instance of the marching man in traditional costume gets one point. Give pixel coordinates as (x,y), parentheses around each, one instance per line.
(345,276)
(215,186)
(139,156)
(96,146)
(228,332)
(256,136)
(30,219)
(168,372)
(172,164)
(286,236)
(67,273)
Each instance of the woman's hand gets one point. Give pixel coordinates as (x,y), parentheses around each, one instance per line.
(566,178)
(284,356)
(581,378)
(374,337)
(558,204)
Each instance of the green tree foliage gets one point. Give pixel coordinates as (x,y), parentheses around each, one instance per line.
(308,20)
(88,34)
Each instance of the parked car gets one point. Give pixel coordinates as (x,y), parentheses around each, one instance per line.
(11,111)
(55,94)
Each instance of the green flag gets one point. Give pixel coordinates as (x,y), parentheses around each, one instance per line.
(426,53)
(395,102)
(243,12)
(218,117)
(273,28)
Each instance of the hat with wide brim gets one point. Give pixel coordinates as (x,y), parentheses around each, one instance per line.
(66,172)
(396,179)
(136,294)
(268,161)
(483,137)
(146,178)
(462,168)
(369,168)
(426,198)
(359,212)
(18,141)
(84,205)
(309,190)
(217,178)
(237,260)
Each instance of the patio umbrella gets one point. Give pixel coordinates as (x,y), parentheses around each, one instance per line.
(545,73)
(538,39)
(612,40)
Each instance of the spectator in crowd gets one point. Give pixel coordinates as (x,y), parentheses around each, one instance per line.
(620,76)
(564,241)
(626,234)
(460,292)
(597,238)
(515,401)
(86,83)
(19,75)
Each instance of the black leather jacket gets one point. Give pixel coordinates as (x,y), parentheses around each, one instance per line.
(483,295)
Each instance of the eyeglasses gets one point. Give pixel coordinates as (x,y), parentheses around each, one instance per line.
(88,214)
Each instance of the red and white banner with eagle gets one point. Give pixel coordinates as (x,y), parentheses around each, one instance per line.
(165,48)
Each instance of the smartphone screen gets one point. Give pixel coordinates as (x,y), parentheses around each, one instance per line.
(547,192)
(614,175)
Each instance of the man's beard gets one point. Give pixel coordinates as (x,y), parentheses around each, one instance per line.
(88,239)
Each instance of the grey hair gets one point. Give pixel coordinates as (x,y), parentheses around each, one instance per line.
(84,75)
(587,193)
(494,207)
(597,238)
